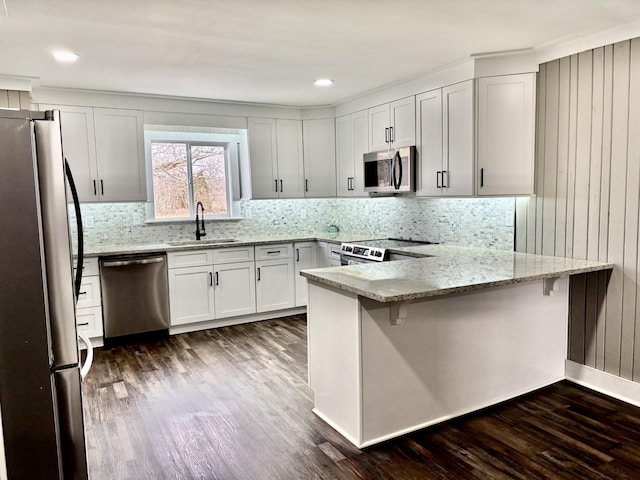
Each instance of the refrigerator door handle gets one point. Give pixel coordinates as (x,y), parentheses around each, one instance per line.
(89,360)
(76,207)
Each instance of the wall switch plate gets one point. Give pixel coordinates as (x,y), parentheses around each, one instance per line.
(135,218)
(87,221)
(303,213)
(247,213)
(508,219)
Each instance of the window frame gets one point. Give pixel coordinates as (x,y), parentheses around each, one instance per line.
(235,145)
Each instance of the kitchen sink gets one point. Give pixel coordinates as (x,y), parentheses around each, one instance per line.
(212,241)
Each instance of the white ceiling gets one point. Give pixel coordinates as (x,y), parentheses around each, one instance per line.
(270,51)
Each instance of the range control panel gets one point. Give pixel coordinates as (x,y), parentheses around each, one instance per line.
(372,254)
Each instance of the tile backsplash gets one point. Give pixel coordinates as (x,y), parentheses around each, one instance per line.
(482,222)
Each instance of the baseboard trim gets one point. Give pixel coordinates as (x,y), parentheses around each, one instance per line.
(603,382)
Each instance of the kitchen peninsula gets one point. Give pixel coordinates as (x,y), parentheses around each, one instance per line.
(398,346)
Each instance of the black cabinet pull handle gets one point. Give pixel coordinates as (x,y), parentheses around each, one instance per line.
(386,135)
(438,179)
(210,279)
(269,252)
(258,273)
(297,254)
(85,324)
(481,177)
(217,279)
(306,185)
(444,172)
(82,293)
(101,187)
(95,191)
(280,185)
(391,136)
(276,180)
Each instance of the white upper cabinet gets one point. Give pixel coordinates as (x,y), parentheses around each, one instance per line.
(264,157)
(445,140)
(290,158)
(276,152)
(456,178)
(319,157)
(105,150)
(352,142)
(392,125)
(506,123)
(120,154)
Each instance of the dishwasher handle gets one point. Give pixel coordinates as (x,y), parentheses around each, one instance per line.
(124,263)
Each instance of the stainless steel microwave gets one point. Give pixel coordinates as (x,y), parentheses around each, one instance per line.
(390,171)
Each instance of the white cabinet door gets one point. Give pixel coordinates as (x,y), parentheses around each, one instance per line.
(305,257)
(275,284)
(379,128)
(264,157)
(344,156)
(429,142)
(90,295)
(235,289)
(506,121)
(79,148)
(360,139)
(191,297)
(120,155)
(319,137)
(458,152)
(89,321)
(290,158)
(402,114)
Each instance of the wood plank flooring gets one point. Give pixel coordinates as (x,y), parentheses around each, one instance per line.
(233,403)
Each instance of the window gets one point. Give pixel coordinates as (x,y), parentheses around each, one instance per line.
(187,165)
(186,173)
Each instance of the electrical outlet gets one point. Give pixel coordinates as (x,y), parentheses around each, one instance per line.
(303,213)
(247,213)
(135,218)
(508,219)
(87,221)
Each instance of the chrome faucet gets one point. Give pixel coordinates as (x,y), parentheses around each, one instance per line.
(200,232)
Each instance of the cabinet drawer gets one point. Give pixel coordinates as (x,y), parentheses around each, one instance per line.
(89,292)
(89,267)
(89,321)
(232,255)
(268,252)
(334,251)
(189,258)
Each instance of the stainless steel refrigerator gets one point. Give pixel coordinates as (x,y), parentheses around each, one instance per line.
(40,383)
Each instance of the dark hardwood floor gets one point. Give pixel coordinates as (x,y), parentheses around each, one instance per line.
(232,403)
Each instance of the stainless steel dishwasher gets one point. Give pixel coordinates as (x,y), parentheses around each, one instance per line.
(135,294)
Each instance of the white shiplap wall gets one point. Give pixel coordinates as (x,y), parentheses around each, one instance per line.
(588,196)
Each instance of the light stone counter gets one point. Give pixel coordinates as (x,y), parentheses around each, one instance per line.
(208,242)
(447,270)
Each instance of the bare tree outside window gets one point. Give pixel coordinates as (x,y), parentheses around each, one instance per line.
(173,164)
(209,179)
(170,182)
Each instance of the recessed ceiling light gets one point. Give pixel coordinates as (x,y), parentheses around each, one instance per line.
(65,56)
(323,82)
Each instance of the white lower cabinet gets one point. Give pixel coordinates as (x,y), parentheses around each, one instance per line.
(234,289)
(275,284)
(191,294)
(305,258)
(89,306)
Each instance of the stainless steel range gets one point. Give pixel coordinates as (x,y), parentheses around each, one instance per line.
(374,250)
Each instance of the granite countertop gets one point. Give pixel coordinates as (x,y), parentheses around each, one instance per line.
(126,249)
(445,270)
